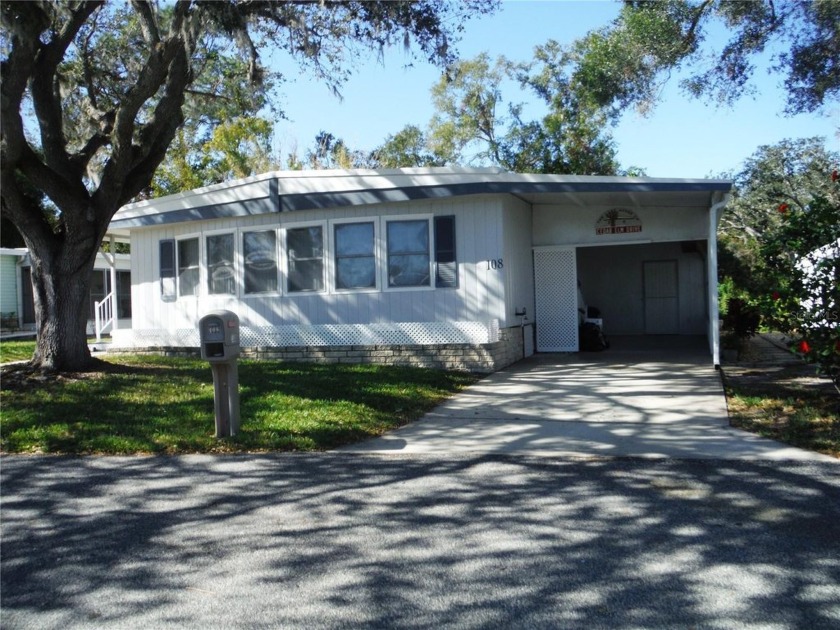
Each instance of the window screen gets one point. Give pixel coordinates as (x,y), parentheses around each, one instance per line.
(259,250)
(355,259)
(188,267)
(220,271)
(408,253)
(305,251)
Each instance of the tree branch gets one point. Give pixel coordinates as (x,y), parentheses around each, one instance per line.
(46,96)
(147,21)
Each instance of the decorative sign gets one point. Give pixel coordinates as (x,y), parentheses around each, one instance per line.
(618,221)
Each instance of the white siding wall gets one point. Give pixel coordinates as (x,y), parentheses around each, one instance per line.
(519,261)
(479,296)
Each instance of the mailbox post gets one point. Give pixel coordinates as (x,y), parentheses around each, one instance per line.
(219,337)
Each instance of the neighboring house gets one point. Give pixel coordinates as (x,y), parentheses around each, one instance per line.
(819,273)
(452,267)
(16,301)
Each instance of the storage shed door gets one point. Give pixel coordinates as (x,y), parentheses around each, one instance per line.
(662,302)
(555,276)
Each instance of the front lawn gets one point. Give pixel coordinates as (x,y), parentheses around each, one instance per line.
(788,404)
(150,404)
(11,351)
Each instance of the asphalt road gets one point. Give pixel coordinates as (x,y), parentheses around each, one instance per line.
(348,541)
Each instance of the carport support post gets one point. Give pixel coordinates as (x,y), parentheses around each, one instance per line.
(715,212)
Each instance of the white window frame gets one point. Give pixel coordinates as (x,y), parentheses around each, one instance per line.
(202,271)
(239,277)
(284,253)
(429,219)
(377,255)
(277,258)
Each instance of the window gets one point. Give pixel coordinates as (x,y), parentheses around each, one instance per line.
(355,258)
(259,250)
(220,273)
(167,269)
(305,251)
(188,271)
(446,265)
(408,253)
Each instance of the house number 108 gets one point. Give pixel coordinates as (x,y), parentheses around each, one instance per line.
(496,263)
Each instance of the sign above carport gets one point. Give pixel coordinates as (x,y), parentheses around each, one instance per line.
(618,221)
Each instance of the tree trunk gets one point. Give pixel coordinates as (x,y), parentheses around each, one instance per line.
(61,288)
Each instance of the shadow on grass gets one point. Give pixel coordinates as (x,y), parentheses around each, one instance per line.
(165,405)
(333,540)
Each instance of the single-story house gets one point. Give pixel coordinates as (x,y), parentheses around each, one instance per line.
(469,268)
(17,305)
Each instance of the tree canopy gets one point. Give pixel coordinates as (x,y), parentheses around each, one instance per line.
(625,63)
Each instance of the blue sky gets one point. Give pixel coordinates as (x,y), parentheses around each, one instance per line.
(682,137)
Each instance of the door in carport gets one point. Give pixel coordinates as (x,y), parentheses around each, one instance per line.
(662,302)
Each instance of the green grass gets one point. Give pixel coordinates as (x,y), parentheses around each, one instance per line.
(149,404)
(807,417)
(11,351)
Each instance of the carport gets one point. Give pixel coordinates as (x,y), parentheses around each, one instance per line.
(643,252)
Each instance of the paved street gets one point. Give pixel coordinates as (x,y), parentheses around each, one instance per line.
(347,540)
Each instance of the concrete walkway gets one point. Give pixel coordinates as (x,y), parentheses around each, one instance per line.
(661,399)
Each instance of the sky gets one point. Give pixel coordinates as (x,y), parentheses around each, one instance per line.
(681,137)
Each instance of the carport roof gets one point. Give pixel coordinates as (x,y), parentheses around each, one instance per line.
(288,191)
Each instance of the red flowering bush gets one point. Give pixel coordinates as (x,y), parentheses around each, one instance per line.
(803,280)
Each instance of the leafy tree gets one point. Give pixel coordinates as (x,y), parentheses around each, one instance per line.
(626,63)
(802,282)
(472,122)
(94,93)
(408,147)
(332,152)
(235,148)
(791,172)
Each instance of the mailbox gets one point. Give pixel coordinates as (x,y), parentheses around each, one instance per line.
(218,333)
(219,336)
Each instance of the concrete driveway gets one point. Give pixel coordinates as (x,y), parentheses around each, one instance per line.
(644,397)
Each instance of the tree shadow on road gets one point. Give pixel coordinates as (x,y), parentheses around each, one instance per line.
(338,540)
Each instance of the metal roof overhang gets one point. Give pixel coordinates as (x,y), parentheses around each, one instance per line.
(374,188)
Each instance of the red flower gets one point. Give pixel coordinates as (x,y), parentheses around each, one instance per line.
(834,175)
(777,295)
(804,347)
(783,208)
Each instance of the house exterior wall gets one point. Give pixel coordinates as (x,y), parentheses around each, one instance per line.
(9,286)
(479,296)
(518,260)
(573,225)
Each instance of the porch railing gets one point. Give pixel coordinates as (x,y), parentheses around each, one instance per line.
(104,314)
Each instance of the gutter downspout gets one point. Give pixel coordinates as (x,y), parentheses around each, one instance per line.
(715,212)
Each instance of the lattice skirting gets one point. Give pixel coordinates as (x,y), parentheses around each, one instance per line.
(409,333)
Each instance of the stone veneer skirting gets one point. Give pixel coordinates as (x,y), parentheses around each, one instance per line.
(480,358)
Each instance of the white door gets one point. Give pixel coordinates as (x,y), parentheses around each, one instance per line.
(555,282)
(662,302)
